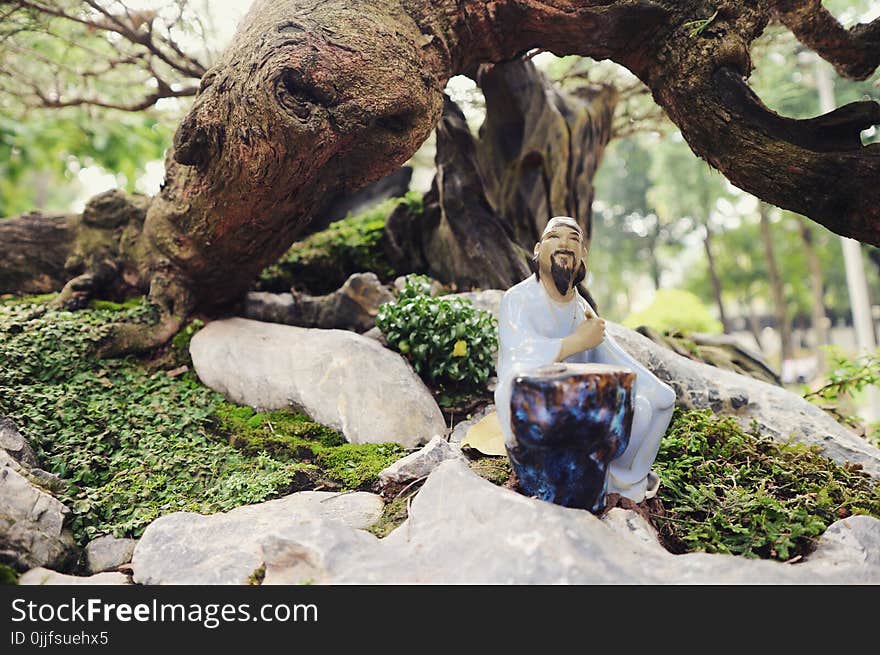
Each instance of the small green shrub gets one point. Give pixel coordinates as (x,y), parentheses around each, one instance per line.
(674,310)
(448,341)
(729,491)
(322,262)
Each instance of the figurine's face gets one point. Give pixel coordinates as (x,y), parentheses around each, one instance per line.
(560,253)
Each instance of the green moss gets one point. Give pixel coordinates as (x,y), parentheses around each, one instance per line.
(8,575)
(393,515)
(257,577)
(357,466)
(322,262)
(38,299)
(289,436)
(726,490)
(180,342)
(133,444)
(107,305)
(494,469)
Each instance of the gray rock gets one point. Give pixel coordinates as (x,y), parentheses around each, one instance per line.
(463,529)
(338,378)
(853,539)
(488,299)
(353,306)
(42,576)
(13,443)
(420,463)
(31,520)
(376,334)
(108,552)
(632,525)
(187,548)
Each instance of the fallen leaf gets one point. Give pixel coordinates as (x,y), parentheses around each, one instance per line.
(486,436)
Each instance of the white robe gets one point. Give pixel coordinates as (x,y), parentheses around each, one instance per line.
(531,327)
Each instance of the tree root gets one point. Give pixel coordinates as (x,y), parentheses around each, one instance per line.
(174,301)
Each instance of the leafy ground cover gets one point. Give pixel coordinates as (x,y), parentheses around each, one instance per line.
(728,490)
(134,444)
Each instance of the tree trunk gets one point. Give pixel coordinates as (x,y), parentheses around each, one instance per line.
(539,148)
(754,325)
(536,156)
(316,98)
(716,281)
(96,252)
(776,284)
(819,321)
(458,238)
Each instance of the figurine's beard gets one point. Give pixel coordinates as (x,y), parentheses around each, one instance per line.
(562,269)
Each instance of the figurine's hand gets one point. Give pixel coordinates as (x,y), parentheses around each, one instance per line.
(588,334)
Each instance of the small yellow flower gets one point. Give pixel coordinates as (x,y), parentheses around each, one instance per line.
(460,348)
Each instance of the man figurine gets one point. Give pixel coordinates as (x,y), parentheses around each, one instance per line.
(544,320)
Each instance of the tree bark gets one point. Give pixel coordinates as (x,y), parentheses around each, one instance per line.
(458,238)
(96,252)
(716,281)
(539,149)
(535,157)
(776,284)
(316,98)
(820,321)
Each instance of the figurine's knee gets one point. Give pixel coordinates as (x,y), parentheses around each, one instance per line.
(665,396)
(643,412)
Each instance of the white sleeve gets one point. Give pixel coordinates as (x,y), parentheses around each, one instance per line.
(520,348)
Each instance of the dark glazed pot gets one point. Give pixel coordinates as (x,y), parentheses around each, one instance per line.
(569,422)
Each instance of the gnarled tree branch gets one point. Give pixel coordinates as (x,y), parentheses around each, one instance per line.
(854,52)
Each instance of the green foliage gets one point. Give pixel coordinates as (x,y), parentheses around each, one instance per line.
(45,152)
(449,342)
(289,436)
(322,262)
(180,341)
(132,444)
(848,376)
(729,491)
(675,310)
(8,575)
(393,515)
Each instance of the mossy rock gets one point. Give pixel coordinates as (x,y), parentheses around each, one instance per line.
(290,436)
(323,261)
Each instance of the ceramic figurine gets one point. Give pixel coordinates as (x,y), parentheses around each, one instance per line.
(544,320)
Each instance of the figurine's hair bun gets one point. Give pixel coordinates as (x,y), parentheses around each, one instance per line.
(567,221)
